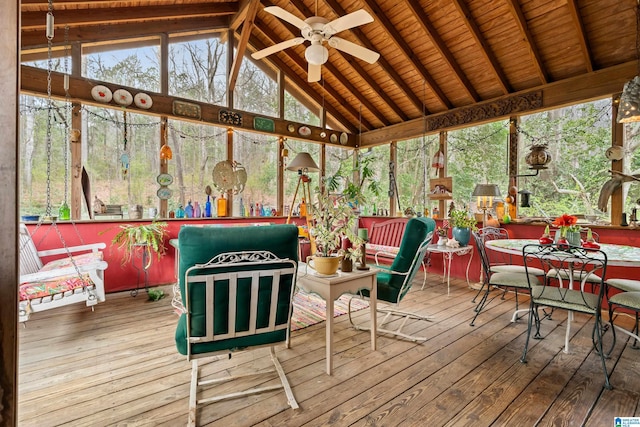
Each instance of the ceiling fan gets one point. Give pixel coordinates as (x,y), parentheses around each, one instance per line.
(318,30)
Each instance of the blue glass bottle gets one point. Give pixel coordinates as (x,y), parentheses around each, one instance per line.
(188,210)
(207,207)
(180,212)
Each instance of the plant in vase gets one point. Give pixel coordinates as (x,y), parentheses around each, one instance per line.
(333,220)
(442,235)
(462,225)
(145,237)
(568,230)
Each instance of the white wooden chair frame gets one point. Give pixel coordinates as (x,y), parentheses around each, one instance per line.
(31,264)
(238,259)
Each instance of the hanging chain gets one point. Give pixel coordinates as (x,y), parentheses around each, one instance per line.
(67,112)
(49,34)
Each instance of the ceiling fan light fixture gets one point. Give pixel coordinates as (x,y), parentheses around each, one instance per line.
(316,54)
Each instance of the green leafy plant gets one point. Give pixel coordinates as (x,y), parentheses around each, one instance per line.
(147,237)
(461,219)
(155,294)
(334,219)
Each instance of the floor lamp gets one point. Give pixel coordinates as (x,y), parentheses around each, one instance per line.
(485,194)
(303,164)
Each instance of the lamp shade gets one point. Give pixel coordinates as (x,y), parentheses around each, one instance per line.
(629,108)
(485,194)
(316,54)
(303,162)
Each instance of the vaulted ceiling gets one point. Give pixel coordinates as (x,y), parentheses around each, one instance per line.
(437,56)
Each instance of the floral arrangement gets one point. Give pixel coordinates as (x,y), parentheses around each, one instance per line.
(333,220)
(566,223)
(460,219)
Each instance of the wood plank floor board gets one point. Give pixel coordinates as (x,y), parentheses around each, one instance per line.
(118,366)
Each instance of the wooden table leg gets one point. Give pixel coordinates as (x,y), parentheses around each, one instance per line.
(373,301)
(329,333)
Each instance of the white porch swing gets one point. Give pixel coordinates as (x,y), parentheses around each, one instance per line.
(80,276)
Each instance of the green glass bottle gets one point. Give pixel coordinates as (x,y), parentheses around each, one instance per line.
(64,213)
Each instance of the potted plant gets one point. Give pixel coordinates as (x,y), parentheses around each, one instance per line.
(333,220)
(146,237)
(462,225)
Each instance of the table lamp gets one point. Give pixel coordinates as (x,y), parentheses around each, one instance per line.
(485,193)
(303,163)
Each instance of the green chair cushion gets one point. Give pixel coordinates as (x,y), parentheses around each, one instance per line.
(514,280)
(516,269)
(197,246)
(567,299)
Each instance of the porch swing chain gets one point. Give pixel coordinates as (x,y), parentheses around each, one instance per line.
(67,113)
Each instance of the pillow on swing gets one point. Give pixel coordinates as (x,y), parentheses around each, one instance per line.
(80,260)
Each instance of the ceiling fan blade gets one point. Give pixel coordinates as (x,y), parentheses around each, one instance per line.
(353,19)
(358,51)
(286,16)
(314,73)
(277,48)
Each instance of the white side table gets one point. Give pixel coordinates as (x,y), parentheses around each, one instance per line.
(331,287)
(447,255)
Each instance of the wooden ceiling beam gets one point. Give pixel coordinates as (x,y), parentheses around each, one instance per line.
(521,22)
(582,34)
(81,17)
(34,81)
(427,27)
(107,32)
(339,75)
(303,66)
(485,49)
(302,83)
(236,21)
(397,38)
(388,68)
(579,89)
(250,16)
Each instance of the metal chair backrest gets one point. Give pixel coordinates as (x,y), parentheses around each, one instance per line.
(567,269)
(495,233)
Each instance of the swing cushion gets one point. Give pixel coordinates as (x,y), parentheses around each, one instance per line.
(58,286)
(61,284)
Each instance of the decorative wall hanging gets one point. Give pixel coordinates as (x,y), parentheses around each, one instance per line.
(122,97)
(187,109)
(230,117)
(101,93)
(143,101)
(264,124)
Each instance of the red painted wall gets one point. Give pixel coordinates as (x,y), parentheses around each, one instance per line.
(120,277)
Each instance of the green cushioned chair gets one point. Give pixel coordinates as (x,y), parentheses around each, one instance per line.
(237,287)
(395,281)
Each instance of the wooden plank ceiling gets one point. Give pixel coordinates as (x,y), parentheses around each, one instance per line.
(436,55)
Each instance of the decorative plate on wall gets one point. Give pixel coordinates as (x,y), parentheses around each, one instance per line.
(122,97)
(344,138)
(333,138)
(164,179)
(142,100)
(304,131)
(101,93)
(164,193)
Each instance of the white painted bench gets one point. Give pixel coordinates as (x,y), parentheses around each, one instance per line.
(77,276)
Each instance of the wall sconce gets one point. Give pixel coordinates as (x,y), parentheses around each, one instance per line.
(485,193)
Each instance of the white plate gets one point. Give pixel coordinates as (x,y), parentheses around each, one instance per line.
(101,93)
(164,193)
(333,138)
(344,138)
(142,100)
(304,131)
(122,97)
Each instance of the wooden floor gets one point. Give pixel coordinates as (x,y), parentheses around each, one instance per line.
(119,366)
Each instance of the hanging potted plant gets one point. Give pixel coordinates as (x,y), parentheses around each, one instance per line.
(333,220)
(462,226)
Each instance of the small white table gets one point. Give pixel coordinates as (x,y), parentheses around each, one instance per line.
(330,288)
(447,255)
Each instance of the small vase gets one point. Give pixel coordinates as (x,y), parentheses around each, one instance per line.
(346,265)
(573,237)
(462,235)
(442,240)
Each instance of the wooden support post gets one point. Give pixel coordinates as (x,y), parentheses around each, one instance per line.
(513,160)
(164,164)
(617,139)
(442,204)
(75,147)
(280,179)
(393,160)
(230,158)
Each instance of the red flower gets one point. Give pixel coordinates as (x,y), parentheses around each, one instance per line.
(565,221)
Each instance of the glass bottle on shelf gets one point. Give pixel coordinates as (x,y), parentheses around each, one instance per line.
(207,207)
(180,212)
(188,210)
(222,206)
(197,211)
